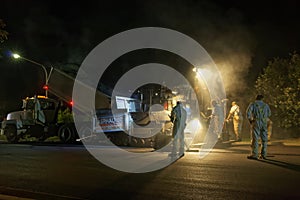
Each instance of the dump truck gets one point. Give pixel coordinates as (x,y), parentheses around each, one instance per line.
(38,118)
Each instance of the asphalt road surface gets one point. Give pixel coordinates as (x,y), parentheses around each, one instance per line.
(30,171)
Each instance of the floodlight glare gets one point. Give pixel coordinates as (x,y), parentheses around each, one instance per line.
(16,55)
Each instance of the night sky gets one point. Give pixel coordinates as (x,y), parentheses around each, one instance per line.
(241,36)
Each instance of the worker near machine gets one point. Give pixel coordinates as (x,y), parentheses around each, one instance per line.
(216,117)
(178,117)
(237,120)
(39,115)
(258,113)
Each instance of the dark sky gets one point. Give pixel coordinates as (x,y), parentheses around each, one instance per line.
(241,36)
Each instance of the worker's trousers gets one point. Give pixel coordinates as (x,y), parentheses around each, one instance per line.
(237,127)
(259,131)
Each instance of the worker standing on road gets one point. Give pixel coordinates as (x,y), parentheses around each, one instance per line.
(258,113)
(178,117)
(217,114)
(237,119)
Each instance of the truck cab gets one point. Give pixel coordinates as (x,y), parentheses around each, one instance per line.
(38,118)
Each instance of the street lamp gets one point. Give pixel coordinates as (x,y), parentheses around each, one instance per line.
(17,56)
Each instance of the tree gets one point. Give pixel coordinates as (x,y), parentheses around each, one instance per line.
(3,33)
(280,84)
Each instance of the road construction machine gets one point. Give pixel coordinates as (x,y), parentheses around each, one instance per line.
(43,117)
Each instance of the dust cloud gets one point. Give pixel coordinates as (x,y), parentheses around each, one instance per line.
(220,29)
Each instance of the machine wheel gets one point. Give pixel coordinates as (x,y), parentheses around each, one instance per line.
(161,141)
(11,134)
(121,139)
(125,141)
(66,133)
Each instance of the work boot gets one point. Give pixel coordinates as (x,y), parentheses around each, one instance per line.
(252,157)
(181,155)
(263,157)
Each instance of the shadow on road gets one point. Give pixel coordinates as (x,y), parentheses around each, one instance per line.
(279,163)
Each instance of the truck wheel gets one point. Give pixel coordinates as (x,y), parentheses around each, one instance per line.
(66,133)
(87,135)
(11,134)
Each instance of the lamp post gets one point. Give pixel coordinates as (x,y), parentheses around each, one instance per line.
(17,56)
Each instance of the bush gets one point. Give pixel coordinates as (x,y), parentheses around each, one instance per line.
(280,84)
